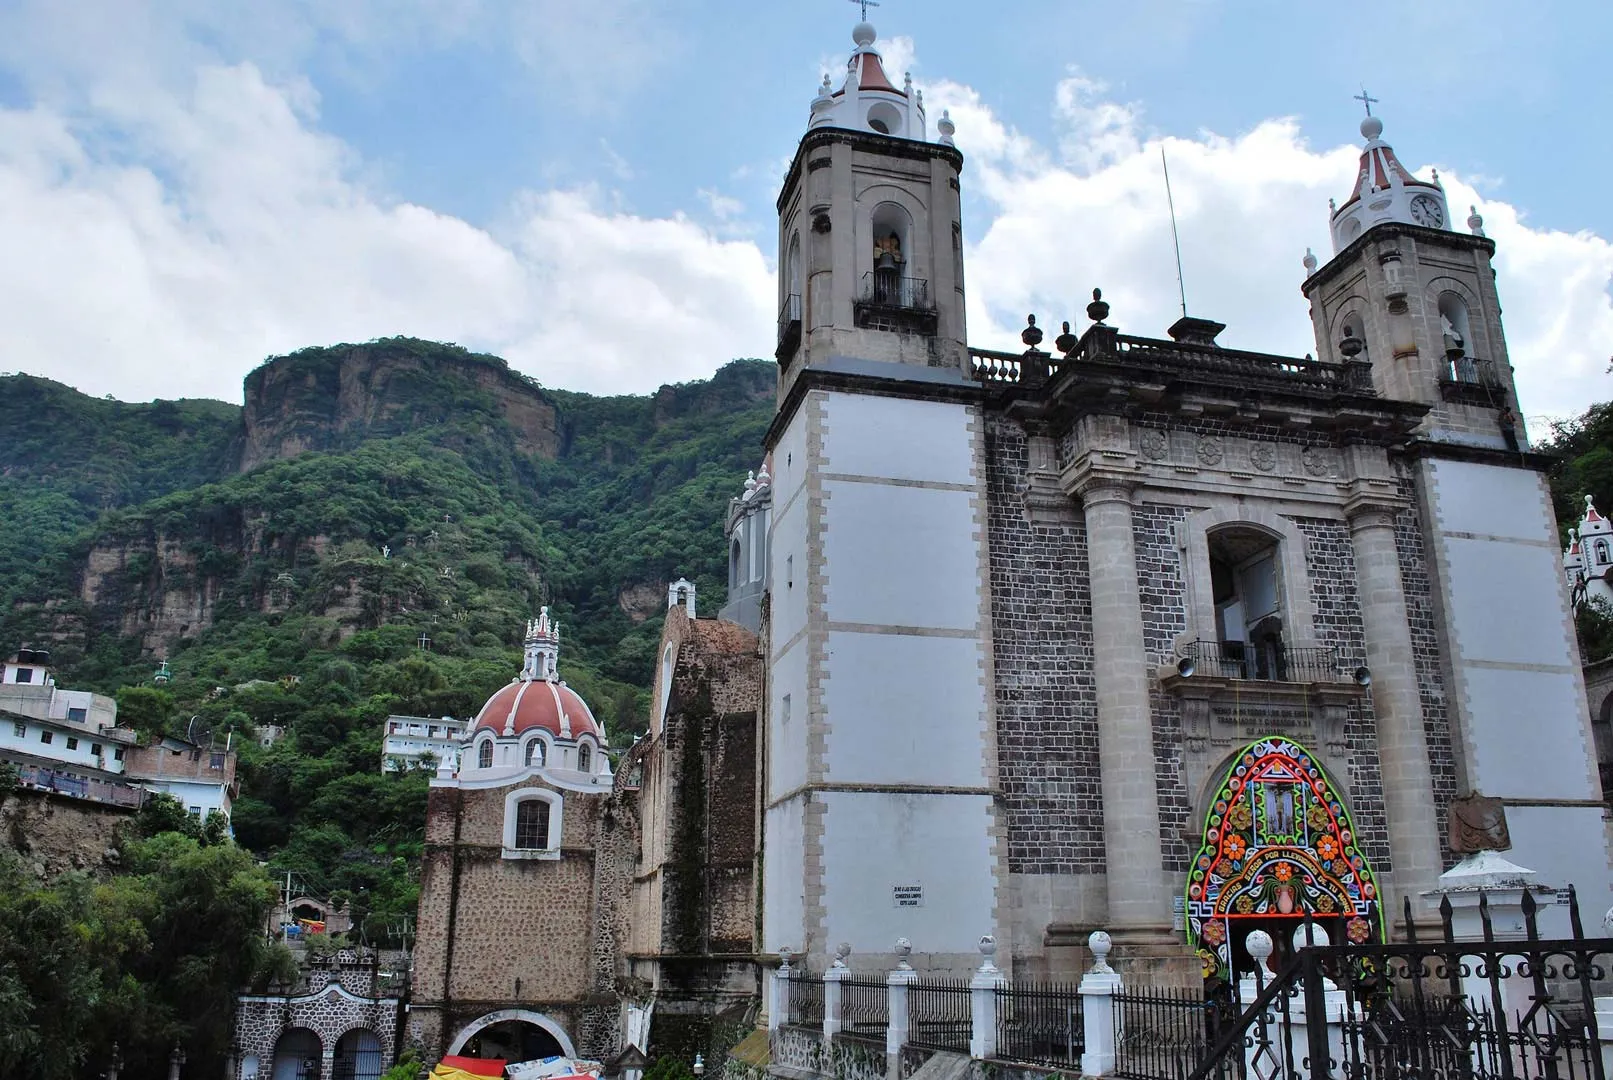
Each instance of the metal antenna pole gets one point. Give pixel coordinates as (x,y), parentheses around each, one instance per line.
(1176,240)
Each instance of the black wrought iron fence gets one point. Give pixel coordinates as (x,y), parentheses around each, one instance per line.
(1040,1023)
(1468,1010)
(1162,1032)
(939,1015)
(806,999)
(864,1006)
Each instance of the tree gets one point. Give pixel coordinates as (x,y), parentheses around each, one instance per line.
(145,709)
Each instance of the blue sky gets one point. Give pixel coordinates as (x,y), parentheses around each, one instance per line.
(587,189)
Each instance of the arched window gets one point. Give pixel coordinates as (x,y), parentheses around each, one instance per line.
(885,118)
(735,560)
(1246,586)
(531,825)
(585,758)
(535,752)
(1602,552)
(793,265)
(484,754)
(892,229)
(1456,338)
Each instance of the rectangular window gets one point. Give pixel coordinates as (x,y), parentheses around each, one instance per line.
(195,811)
(789,571)
(19,729)
(25,674)
(95,748)
(532,825)
(46,737)
(117,753)
(784,710)
(216,761)
(72,743)
(78,716)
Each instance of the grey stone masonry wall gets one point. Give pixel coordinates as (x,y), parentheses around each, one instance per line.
(1163,593)
(1430,661)
(1047,735)
(1330,560)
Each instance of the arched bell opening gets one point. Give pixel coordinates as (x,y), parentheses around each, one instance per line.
(1279,843)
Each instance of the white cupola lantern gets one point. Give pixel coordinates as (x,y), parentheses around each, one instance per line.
(1386,191)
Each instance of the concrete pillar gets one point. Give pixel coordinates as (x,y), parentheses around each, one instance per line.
(896,984)
(778,994)
(983,1002)
(1408,784)
(1098,989)
(838,972)
(1138,899)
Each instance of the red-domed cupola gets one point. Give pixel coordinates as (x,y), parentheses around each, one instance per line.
(1385,190)
(537,699)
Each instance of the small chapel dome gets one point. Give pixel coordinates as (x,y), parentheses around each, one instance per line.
(867,99)
(537,699)
(1385,190)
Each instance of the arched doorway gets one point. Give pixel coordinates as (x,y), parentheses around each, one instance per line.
(297,1055)
(358,1056)
(1278,843)
(514,1035)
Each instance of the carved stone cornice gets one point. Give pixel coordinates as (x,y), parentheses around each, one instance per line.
(1372,509)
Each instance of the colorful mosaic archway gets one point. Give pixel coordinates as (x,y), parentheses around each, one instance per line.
(1278,842)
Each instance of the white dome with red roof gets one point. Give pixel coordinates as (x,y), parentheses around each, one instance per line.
(536,721)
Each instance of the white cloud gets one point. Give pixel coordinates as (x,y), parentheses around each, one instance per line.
(243,233)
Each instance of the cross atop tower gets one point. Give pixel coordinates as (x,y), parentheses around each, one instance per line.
(1366,99)
(865,4)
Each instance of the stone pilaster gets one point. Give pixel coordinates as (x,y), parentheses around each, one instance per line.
(1139,904)
(1408,786)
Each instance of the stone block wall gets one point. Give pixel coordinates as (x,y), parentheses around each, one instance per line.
(1041,616)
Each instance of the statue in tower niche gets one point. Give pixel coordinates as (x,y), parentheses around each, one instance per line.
(1455,346)
(888,252)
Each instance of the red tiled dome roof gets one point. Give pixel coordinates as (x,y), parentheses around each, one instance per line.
(537,703)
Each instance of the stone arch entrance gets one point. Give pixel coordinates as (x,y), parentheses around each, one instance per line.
(297,1055)
(358,1056)
(513,1034)
(1278,843)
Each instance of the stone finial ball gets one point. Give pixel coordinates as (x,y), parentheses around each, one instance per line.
(904,947)
(1607,921)
(1100,943)
(1371,128)
(1259,945)
(988,946)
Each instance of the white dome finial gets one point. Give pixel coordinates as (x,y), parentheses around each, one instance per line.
(864,34)
(1310,262)
(946,127)
(1371,128)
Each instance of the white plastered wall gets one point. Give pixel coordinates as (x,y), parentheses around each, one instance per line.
(1524,732)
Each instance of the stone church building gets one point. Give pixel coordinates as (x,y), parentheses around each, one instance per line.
(1139,633)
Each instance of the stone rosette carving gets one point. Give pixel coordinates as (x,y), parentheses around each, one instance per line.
(1315,461)
(1155,444)
(1210,450)
(1263,456)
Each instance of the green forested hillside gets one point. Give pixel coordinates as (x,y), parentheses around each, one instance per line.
(437,496)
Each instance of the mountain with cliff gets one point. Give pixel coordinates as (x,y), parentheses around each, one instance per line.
(364,535)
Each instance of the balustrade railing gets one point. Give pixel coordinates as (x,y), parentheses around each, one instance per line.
(47,779)
(1471,371)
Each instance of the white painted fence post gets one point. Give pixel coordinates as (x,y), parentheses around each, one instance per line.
(778,997)
(896,984)
(1098,989)
(983,1002)
(837,973)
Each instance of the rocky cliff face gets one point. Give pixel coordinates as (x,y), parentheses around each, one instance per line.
(330,398)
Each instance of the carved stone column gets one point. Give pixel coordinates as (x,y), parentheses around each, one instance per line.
(1408,785)
(1139,903)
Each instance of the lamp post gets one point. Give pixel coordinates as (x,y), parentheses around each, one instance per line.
(176,1061)
(699,1066)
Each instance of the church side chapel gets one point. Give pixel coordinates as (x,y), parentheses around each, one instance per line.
(1145,633)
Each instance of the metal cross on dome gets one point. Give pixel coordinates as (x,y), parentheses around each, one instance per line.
(1366,99)
(866,4)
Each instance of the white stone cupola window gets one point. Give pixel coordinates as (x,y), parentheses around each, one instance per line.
(484,754)
(532,824)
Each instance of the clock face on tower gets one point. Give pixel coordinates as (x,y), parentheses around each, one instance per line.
(1425,211)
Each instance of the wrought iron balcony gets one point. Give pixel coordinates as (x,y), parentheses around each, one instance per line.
(789,327)
(1266,662)
(889,301)
(1470,379)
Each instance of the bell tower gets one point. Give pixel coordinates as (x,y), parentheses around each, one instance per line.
(870,230)
(880,820)
(1415,300)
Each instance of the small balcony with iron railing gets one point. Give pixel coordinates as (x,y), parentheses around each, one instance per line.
(1472,380)
(789,328)
(889,300)
(1269,668)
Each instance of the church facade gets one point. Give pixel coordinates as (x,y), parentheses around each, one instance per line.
(1144,633)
